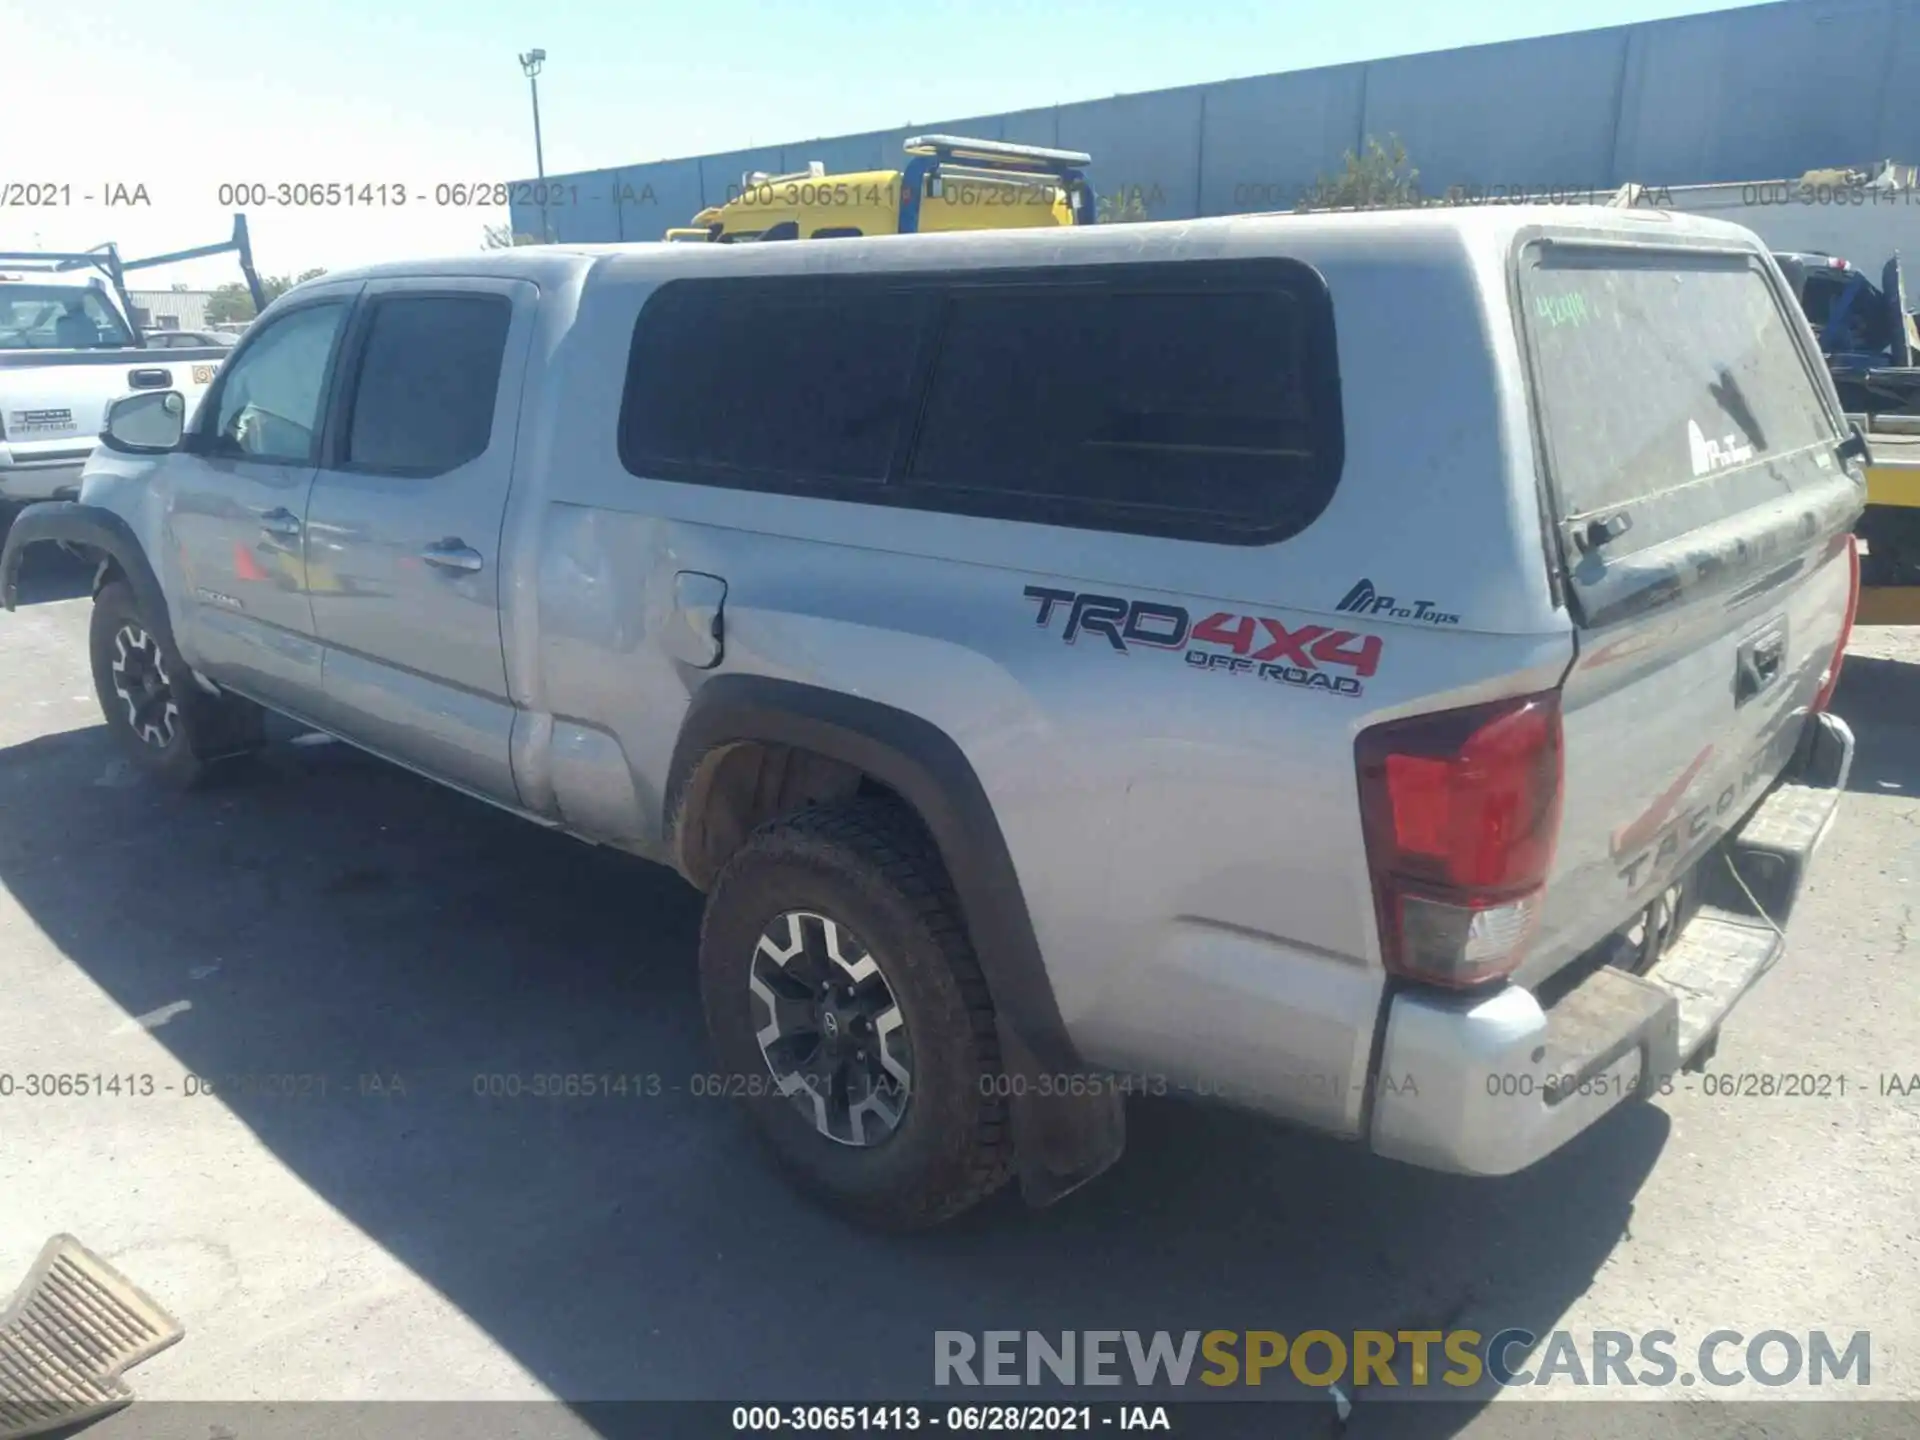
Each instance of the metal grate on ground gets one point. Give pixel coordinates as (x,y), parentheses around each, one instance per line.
(69,1333)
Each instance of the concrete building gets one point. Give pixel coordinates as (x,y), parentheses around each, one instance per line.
(1764,92)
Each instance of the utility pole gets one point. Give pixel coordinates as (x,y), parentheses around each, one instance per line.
(530,63)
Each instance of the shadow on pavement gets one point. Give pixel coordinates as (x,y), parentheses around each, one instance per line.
(1880,699)
(368,924)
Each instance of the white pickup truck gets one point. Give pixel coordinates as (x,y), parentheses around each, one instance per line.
(70,345)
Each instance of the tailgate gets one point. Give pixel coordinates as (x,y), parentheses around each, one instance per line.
(1690,438)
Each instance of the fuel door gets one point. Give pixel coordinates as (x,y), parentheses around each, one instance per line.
(696,631)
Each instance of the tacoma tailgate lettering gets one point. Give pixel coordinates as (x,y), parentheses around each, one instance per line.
(1694,822)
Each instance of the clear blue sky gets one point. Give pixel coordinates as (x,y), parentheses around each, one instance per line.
(183,95)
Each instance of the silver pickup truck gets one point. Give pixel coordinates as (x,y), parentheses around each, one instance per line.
(1372,669)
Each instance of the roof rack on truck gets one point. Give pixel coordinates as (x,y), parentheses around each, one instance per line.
(107,260)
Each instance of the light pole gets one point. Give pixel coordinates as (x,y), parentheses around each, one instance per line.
(531,63)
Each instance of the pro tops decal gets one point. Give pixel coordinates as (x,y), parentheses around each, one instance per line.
(1363,599)
(1311,656)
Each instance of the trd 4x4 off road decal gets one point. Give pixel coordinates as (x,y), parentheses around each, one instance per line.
(1307,655)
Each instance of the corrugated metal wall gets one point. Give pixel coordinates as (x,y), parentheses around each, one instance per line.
(1766,92)
(171,309)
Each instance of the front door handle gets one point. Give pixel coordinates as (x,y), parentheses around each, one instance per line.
(452,554)
(281,522)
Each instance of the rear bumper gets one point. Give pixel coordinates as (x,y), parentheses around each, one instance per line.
(1487,1086)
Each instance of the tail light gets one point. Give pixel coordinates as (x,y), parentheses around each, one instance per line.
(1831,679)
(1461,811)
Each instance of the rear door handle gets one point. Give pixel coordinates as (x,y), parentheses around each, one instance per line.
(281,522)
(453,554)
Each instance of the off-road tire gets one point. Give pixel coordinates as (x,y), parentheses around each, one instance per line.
(179,743)
(868,865)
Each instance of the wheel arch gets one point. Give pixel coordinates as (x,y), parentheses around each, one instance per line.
(843,740)
(106,538)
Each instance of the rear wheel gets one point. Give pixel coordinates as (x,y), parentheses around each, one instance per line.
(849,1015)
(162,720)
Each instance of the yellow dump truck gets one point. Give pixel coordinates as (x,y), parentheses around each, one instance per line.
(1890,530)
(1871,338)
(948,183)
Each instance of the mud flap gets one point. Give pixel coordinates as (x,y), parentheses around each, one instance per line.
(1060,1142)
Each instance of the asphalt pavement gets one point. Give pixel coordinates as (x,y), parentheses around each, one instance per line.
(353,961)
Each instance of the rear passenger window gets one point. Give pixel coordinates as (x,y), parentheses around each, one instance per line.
(1195,400)
(429,373)
(1180,405)
(743,381)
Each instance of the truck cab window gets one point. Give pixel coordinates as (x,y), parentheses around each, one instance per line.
(423,399)
(269,406)
(58,317)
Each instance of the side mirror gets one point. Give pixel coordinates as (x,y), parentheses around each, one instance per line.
(148,423)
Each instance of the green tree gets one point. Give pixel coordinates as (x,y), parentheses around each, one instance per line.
(1380,179)
(505,237)
(231,302)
